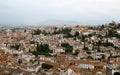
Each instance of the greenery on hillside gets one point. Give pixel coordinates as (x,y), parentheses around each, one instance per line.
(46,66)
(15,46)
(42,49)
(117,73)
(68,48)
(62,31)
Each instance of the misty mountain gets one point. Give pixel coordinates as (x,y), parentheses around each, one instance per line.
(59,22)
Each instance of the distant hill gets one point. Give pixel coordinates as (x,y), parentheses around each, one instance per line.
(59,22)
(47,22)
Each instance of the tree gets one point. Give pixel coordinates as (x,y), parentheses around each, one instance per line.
(76,34)
(117,73)
(42,49)
(46,66)
(103,56)
(98,44)
(83,38)
(64,44)
(15,46)
(36,32)
(62,31)
(25,31)
(68,35)
(32,42)
(85,48)
(102,27)
(110,33)
(118,25)
(68,48)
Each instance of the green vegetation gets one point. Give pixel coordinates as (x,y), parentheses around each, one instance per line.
(15,46)
(118,26)
(85,48)
(112,31)
(32,42)
(76,34)
(68,48)
(65,44)
(117,73)
(42,49)
(38,32)
(46,66)
(68,36)
(83,38)
(62,31)
(105,44)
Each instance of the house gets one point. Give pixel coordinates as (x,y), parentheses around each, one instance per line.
(27,57)
(59,50)
(85,65)
(96,56)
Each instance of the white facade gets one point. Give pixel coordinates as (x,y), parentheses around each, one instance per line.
(86,66)
(59,51)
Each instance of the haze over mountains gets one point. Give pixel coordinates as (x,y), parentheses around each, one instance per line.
(58,11)
(58,22)
(49,22)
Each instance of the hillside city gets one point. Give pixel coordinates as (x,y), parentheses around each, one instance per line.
(60,50)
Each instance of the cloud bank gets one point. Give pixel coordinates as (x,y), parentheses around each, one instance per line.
(36,11)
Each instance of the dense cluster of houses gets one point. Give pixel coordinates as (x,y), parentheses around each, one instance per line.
(86,58)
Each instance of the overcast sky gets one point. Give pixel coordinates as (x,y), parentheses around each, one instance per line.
(37,11)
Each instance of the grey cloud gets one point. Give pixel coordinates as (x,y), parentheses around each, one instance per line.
(37,11)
